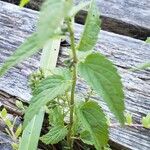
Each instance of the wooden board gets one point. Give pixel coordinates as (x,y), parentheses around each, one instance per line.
(127,17)
(125,52)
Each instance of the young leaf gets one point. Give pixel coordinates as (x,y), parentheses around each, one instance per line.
(141,67)
(8,122)
(146,121)
(55,135)
(20,105)
(128,117)
(102,76)
(51,17)
(18,131)
(3,113)
(94,121)
(91,29)
(31,133)
(23,3)
(28,48)
(48,89)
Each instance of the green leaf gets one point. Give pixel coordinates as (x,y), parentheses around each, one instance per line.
(39,118)
(128,117)
(102,76)
(18,131)
(31,133)
(148,40)
(15,146)
(28,48)
(91,29)
(86,138)
(20,105)
(51,18)
(146,121)
(93,120)
(56,117)
(47,90)
(23,3)
(8,122)
(141,67)
(3,113)
(55,135)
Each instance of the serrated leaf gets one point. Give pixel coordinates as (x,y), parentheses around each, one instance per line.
(55,135)
(51,17)
(47,90)
(31,133)
(93,120)
(23,3)
(91,29)
(86,138)
(56,117)
(102,76)
(3,113)
(146,121)
(20,105)
(128,117)
(28,48)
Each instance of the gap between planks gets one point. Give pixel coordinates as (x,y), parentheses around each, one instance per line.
(125,17)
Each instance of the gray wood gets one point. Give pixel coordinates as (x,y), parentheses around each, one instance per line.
(127,17)
(4,142)
(125,52)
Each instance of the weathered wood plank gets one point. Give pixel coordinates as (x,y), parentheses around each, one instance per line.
(127,17)
(125,52)
(4,142)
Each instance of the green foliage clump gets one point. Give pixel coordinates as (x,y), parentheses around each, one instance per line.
(53,90)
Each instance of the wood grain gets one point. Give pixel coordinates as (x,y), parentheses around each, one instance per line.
(127,17)
(16,24)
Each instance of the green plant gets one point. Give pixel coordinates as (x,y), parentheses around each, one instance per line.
(13,131)
(23,2)
(53,90)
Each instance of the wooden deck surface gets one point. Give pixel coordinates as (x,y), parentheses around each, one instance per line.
(125,52)
(127,17)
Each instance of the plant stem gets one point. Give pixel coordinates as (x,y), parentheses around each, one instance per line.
(74,79)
